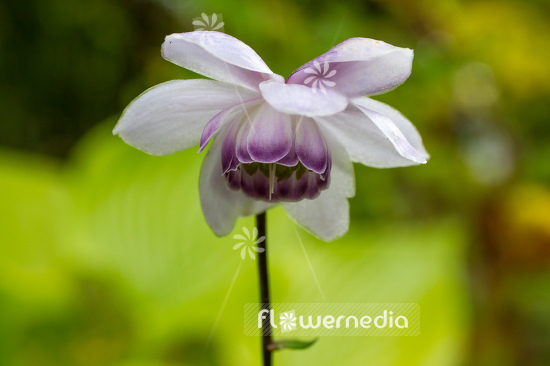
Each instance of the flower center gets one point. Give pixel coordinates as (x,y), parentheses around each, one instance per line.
(276,183)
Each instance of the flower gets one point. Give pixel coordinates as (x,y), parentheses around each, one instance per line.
(277,141)
(249,242)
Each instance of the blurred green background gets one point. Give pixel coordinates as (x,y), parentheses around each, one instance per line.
(105,258)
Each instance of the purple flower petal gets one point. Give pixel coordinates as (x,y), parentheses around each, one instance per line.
(220,205)
(290,159)
(242,142)
(360,66)
(214,124)
(327,216)
(303,100)
(311,147)
(270,137)
(229,159)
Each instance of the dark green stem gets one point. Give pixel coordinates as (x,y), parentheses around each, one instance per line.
(264,290)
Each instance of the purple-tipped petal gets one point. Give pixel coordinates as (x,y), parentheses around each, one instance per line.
(303,100)
(327,216)
(218,56)
(233,179)
(270,137)
(290,159)
(229,159)
(242,142)
(311,147)
(220,205)
(214,124)
(359,66)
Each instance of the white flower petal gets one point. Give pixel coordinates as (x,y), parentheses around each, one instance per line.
(218,56)
(363,66)
(327,216)
(398,123)
(220,205)
(366,143)
(302,100)
(394,135)
(170,117)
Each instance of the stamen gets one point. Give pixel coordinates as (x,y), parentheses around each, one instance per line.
(271,179)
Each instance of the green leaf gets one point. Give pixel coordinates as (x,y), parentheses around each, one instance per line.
(294,344)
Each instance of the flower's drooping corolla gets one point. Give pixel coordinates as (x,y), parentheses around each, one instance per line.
(277,141)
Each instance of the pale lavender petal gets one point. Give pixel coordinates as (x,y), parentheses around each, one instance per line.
(218,56)
(397,129)
(365,142)
(395,136)
(310,145)
(171,116)
(361,66)
(303,100)
(220,205)
(270,137)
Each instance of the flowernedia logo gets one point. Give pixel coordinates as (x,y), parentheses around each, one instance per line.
(248,243)
(336,319)
(288,320)
(320,75)
(212,23)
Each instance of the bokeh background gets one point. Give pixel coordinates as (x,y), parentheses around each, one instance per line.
(105,258)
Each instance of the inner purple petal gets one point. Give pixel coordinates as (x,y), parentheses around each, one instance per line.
(215,122)
(229,159)
(311,147)
(242,141)
(212,126)
(270,137)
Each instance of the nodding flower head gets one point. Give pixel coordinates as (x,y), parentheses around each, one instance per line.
(275,141)
(272,156)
